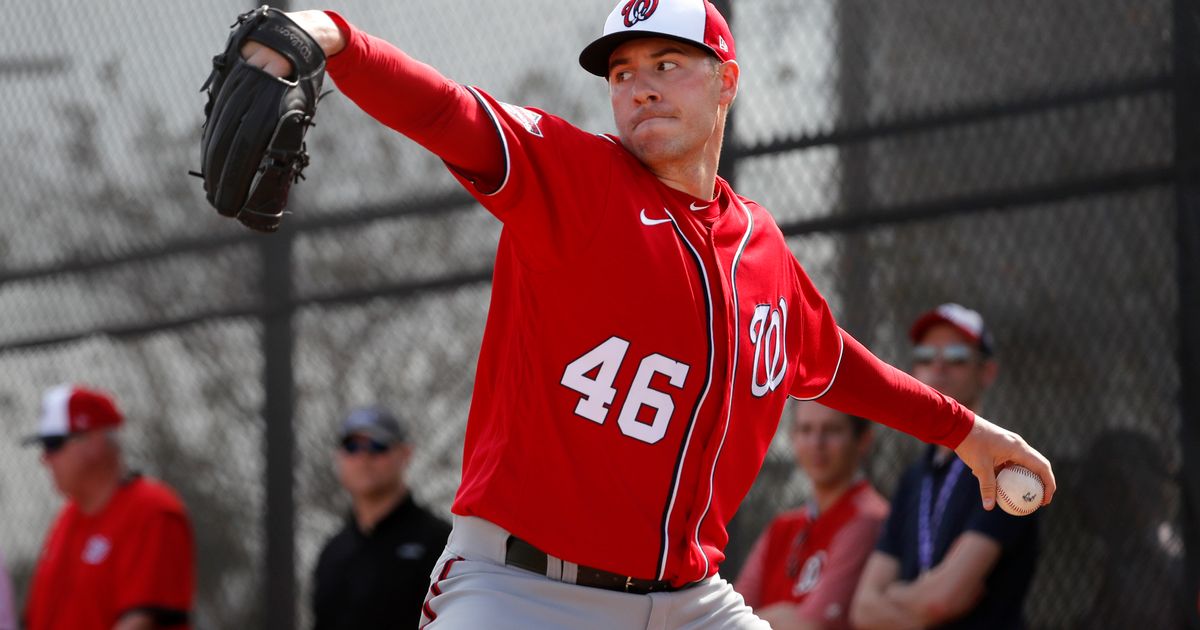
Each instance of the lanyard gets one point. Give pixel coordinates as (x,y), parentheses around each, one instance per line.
(927,530)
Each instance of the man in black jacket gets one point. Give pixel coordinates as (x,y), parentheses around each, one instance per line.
(373,574)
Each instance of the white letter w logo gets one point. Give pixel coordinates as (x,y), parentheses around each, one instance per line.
(767,330)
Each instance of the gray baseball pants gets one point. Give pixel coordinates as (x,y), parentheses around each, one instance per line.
(471,588)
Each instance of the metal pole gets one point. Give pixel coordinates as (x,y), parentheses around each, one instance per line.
(1187,195)
(855,267)
(279,436)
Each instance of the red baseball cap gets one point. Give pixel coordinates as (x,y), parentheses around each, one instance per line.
(695,22)
(966,321)
(70,409)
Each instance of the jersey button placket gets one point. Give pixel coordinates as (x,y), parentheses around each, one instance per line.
(724,334)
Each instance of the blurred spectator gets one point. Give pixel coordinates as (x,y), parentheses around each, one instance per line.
(119,555)
(8,615)
(802,571)
(373,574)
(943,561)
(1141,582)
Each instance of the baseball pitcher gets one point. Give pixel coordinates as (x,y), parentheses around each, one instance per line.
(647,324)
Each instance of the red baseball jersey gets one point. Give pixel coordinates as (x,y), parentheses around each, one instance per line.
(640,342)
(815,563)
(640,347)
(135,555)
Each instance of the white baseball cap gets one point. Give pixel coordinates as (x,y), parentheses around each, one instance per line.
(967,321)
(695,22)
(71,409)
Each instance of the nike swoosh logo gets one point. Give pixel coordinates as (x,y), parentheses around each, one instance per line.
(694,208)
(648,221)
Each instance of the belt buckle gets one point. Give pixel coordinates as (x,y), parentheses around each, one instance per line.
(628,583)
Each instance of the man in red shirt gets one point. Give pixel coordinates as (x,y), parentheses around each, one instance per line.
(119,556)
(802,571)
(647,324)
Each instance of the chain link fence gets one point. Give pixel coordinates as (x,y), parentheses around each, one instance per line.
(1018,157)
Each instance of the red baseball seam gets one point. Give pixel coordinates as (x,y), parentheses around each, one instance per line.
(1004,496)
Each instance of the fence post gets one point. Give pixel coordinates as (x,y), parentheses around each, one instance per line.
(278,339)
(1187,195)
(279,438)
(854,268)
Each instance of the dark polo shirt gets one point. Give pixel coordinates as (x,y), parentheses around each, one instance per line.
(377,580)
(1006,586)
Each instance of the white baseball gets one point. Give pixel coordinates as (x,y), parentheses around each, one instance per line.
(1019,491)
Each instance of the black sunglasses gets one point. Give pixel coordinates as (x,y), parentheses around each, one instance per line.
(52,444)
(352,445)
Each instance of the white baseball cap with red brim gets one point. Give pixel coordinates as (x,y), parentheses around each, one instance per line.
(71,409)
(967,321)
(695,22)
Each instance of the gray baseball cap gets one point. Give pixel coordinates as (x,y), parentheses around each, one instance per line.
(376,423)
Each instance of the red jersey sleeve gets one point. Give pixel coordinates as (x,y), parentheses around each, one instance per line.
(544,178)
(416,100)
(556,180)
(820,341)
(869,388)
(158,576)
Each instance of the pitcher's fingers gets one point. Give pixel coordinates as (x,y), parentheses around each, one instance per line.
(987,485)
(1040,465)
(249,48)
(270,61)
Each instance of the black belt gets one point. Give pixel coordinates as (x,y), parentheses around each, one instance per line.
(523,555)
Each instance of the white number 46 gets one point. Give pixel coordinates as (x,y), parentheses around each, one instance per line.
(598,393)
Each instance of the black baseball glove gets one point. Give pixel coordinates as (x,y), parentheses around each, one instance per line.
(253,148)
